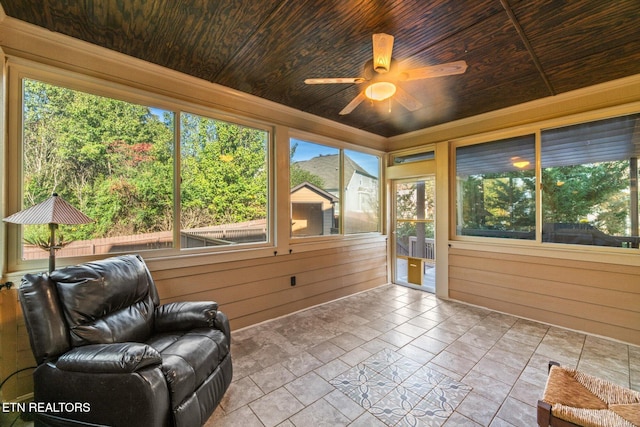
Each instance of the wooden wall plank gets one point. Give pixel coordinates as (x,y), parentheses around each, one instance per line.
(628,335)
(9,362)
(562,290)
(551,302)
(602,275)
(231,274)
(597,298)
(267,285)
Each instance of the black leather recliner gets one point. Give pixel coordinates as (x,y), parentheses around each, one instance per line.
(109,354)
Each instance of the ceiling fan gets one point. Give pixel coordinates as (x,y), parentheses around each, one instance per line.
(382,75)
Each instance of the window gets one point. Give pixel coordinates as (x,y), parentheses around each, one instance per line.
(223,192)
(411,158)
(589,183)
(362,192)
(496,189)
(321,177)
(116,161)
(315,189)
(111,159)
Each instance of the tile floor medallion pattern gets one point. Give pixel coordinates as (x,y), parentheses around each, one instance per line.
(400,391)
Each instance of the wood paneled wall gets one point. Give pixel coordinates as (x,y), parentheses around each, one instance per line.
(598,298)
(249,292)
(15,350)
(253,291)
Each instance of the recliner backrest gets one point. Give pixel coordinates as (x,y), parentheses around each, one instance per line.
(106,301)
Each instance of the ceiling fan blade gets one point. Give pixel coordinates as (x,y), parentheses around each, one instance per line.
(382,49)
(353,104)
(356,80)
(406,100)
(448,69)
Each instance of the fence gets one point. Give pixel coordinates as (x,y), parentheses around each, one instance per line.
(160,240)
(429,249)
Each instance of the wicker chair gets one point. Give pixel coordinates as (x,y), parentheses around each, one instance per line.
(573,398)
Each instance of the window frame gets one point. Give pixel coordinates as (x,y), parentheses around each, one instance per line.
(19,69)
(341,146)
(535,246)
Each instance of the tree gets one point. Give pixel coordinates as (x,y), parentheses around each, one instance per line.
(298,175)
(110,158)
(224,172)
(573,194)
(414,204)
(594,193)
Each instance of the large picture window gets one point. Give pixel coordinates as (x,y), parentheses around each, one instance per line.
(223,191)
(111,159)
(116,161)
(590,183)
(588,192)
(496,189)
(333,191)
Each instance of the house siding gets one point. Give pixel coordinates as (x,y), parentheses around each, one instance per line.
(594,297)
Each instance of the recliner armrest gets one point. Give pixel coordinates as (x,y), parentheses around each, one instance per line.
(180,316)
(109,358)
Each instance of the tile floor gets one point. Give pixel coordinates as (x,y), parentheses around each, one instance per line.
(394,356)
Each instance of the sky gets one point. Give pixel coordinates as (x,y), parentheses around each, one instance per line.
(308,150)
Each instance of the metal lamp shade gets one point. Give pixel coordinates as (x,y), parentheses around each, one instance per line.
(52,211)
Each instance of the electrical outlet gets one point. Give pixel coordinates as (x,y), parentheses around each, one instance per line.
(293,280)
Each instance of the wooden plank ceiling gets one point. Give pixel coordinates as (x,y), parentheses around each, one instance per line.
(516,50)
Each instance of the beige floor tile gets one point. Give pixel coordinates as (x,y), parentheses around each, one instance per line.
(272,377)
(321,414)
(517,413)
(395,347)
(478,408)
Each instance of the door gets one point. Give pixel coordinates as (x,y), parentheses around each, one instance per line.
(414,233)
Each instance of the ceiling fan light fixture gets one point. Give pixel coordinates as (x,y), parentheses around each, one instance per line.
(519,162)
(380,86)
(380,91)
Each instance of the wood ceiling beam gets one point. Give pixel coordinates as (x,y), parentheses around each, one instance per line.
(525,40)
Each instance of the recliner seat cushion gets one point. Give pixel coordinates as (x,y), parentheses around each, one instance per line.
(188,358)
(106,302)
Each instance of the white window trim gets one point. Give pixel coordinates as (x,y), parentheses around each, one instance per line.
(622,256)
(19,69)
(341,146)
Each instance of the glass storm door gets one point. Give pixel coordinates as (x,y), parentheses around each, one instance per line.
(414,233)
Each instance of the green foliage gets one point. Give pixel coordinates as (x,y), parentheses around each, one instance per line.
(114,161)
(571,194)
(408,208)
(298,175)
(109,158)
(509,201)
(224,174)
(594,193)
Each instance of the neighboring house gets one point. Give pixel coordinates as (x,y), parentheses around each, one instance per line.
(313,211)
(361,189)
